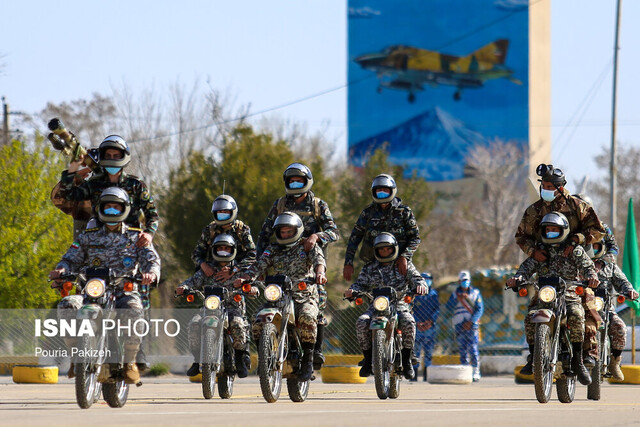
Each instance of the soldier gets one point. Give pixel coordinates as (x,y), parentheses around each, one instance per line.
(113,245)
(319,228)
(555,229)
(468,308)
(386,213)
(289,257)
(612,277)
(383,271)
(113,156)
(223,251)
(611,245)
(225,214)
(426,309)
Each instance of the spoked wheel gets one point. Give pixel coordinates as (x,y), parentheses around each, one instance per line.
(593,389)
(87,385)
(394,386)
(298,390)
(542,372)
(270,375)
(208,373)
(380,364)
(115,393)
(566,388)
(225,385)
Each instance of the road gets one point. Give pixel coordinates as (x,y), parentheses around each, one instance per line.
(174,401)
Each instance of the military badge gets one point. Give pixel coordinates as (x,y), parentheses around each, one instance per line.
(97,262)
(127,262)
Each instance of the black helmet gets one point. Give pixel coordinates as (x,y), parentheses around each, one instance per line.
(114,195)
(288,219)
(382,240)
(384,181)
(584,198)
(224,240)
(550,174)
(297,169)
(224,203)
(116,142)
(559,220)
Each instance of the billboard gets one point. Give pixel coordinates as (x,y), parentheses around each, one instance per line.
(431,79)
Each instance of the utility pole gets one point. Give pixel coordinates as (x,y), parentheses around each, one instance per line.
(613,168)
(5,122)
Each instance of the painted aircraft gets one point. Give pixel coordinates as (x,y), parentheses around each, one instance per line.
(410,68)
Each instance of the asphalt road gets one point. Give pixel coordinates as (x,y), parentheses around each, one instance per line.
(173,401)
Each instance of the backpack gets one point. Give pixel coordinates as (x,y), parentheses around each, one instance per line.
(280,208)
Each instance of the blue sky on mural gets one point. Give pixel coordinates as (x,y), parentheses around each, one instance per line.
(454,27)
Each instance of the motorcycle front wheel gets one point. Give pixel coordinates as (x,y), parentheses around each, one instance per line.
(593,389)
(270,375)
(208,374)
(380,364)
(87,386)
(542,372)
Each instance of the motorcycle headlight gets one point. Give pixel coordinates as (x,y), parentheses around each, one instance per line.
(381,303)
(272,293)
(599,303)
(95,288)
(212,302)
(547,294)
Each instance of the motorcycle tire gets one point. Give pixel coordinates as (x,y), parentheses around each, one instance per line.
(225,385)
(86,377)
(115,393)
(270,377)
(542,374)
(298,390)
(394,386)
(593,389)
(566,389)
(380,364)
(208,374)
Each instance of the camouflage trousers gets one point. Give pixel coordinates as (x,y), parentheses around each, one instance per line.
(406,323)
(306,314)
(322,305)
(238,328)
(129,309)
(575,322)
(591,325)
(617,332)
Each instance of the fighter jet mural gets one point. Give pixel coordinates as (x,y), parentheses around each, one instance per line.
(411,68)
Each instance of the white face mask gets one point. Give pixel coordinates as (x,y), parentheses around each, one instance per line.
(547,195)
(224,254)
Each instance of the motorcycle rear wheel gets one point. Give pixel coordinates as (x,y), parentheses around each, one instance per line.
(298,390)
(270,376)
(225,385)
(380,364)
(394,386)
(115,393)
(566,389)
(542,373)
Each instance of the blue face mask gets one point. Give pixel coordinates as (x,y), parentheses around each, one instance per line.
(294,185)
(553,234)
(547,195)
(112,211)
(222,216)
(465,284)
(112,170)
(382,194)
(111,223)
(596,251)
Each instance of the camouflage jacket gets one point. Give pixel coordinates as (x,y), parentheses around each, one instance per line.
(141,200)
(396,219)
(320,222)
(117,250)
(376,274)
(614,279)
(610,245)
(199,280)
(294,262)
(239,231)
(574,267)
(583,221)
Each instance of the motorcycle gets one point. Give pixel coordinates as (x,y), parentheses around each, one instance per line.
(280,345)
(386,339)
(102,364)
(217,358)
(552,340)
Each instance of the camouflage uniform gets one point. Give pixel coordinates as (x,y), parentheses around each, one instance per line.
(610,245)
(396,219)
(612,277)
(570,268)
(141,200)
(299,265)
(238,325)
(239,231)
(583,221)
(376,274)
(117,250)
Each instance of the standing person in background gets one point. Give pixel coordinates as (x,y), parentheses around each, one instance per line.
(426,309)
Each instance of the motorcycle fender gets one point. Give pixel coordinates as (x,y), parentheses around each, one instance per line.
(292,314)
(89,311)
(269,315)
(378,323)
(542,315)
(210,321)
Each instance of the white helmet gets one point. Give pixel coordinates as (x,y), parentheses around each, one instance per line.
(384,240)
(224,240)
(297,169)
(118,143)
(113,195)
(383,181)
(224,203)
(288,219)
(556,219)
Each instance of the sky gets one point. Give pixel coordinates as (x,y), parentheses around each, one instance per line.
(268,54)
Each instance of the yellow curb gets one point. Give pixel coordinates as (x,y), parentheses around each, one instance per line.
(33,374)
(342,375)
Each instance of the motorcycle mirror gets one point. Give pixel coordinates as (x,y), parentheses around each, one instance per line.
(190,298)
(128,287)
(579,290)
(359,301)
(302,286)
(523,292)
(408,299)
(237,297)
(621,299)
(246,288)
(67,286)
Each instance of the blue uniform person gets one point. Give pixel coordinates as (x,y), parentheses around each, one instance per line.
(426,309)
(467,305)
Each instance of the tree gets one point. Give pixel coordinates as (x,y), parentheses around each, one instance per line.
(33,233)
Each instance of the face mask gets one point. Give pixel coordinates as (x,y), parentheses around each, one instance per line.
(553,234)
(382,194)
(221,216)
(294,185)
(223,253)
(547,195)
(111,223)
(112,170)
(465,284)
(112,211)
(596,251)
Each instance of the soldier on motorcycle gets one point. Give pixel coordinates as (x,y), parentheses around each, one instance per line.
(385,272)
(112,246)
(555,229)
(289,257)
(224,250)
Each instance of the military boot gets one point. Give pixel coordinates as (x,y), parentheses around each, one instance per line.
(365,371)
(577,366)
(193,370)
(407,367)
(71,373)
(614,368)
(131,373)
(241,366)
(306,364)
(318,357)
(528,368)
